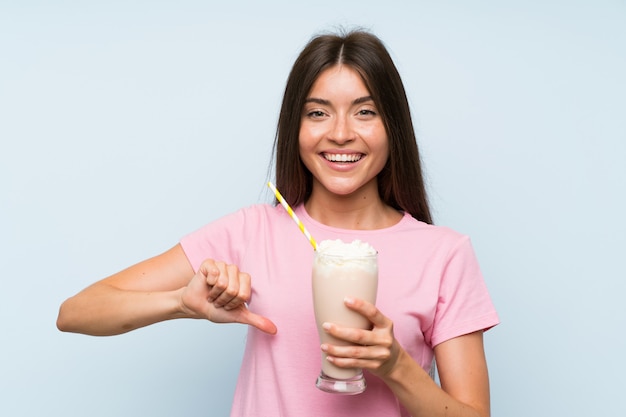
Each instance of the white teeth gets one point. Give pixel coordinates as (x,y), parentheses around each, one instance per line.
(342,157)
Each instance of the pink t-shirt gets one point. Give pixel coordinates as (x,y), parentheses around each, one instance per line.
(430,286)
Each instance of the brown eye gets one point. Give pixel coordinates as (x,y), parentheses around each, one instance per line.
(367,112)
(315,114)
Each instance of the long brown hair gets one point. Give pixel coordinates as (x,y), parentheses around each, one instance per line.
(400,183)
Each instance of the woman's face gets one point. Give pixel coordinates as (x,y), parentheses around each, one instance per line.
(343,141)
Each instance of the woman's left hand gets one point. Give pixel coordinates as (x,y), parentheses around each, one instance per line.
(376,350)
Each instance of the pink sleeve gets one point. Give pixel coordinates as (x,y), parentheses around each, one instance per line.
(220,240)
(464,305)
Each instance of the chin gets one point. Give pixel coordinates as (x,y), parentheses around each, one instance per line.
(343,190)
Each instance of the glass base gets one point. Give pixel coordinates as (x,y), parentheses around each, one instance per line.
(350,386)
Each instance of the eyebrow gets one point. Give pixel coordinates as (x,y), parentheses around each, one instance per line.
(325,102)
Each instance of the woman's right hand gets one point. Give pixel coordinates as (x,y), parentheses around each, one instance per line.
(159,289)
(219,292)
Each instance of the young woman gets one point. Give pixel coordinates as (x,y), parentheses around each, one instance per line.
(347,161)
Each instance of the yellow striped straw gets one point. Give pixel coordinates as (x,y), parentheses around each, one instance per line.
(295,218)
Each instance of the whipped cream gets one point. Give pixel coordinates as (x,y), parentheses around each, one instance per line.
(336,253)
(340,248)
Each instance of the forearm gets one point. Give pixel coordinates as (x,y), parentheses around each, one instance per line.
(103,310)
(421,396)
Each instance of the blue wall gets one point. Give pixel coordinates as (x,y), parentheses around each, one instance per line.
(125,125)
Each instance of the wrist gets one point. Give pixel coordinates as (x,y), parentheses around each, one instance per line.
(397,372)
(180,310)
(405,369)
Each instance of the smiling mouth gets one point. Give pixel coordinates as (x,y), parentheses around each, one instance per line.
(347,158)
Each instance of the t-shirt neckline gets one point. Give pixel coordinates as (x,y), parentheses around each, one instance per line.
(303,214)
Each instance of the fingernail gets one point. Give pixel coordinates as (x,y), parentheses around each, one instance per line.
(326,326)
(324,347)
(348,300)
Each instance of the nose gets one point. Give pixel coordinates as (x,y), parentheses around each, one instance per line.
(341,131)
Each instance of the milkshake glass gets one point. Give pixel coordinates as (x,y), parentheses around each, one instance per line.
(342,270)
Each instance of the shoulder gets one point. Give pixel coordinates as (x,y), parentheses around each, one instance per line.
(235,222)
(261,212)
(431,232)
(263,209)
(257,218)
(228,237)
(434,242)
(251,212)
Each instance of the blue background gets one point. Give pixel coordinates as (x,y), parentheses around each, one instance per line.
(127,124)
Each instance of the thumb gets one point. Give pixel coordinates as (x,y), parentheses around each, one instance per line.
(262,323)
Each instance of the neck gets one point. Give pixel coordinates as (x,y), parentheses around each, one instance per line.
(362,210)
